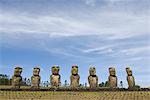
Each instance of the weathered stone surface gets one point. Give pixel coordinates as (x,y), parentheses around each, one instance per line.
(55,77)
(35,79)
(130,78)
(93,78)
(16,78)
(112,79)
(74,78)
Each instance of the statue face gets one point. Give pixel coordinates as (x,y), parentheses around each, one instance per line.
(17,71)
(112,71)
(129,71)
(74,70)
(36,71)
(92,71)
(55,70)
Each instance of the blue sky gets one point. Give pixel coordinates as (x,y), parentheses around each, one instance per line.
(100,33)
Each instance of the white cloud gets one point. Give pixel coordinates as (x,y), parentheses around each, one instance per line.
(113,24)
(105,23)
(90,2)
(101,49)
(136,50)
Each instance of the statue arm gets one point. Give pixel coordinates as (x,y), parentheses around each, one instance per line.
(20,78)
(97,80)
(51,79)
(39,78)
(89,79)
(108,79)
(31,78)
(70,79)
(79,79)
(133,81)
(116,81)
(12,80)
(59,80)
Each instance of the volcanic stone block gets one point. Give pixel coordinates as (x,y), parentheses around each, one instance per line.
(55,77)
(130,78)
(93,78)
(74,78)
(112,79)
(35,79)
(16,78)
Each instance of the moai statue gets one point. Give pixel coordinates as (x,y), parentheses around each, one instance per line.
(16,78)
(55,77)
(74,78)
(130,78)
(93,78)
(35,79)
(112,79)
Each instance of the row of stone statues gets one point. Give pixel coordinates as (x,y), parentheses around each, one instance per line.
(74,78)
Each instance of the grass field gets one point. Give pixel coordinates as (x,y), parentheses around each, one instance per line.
(45,95)
(70,95)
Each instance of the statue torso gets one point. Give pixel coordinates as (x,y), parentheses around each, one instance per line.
(92,81)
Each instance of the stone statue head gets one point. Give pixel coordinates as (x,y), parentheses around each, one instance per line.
(36,71)
(17,71)
(112,71)
(74,70)
(129,71)
(55,70)
(92,71)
